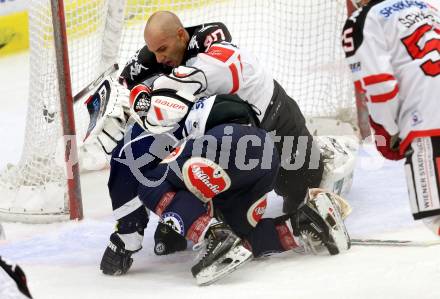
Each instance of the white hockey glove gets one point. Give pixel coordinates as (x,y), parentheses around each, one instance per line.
(160,109)
(188,81)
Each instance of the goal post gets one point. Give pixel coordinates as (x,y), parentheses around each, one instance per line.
(297,41)
(73,184)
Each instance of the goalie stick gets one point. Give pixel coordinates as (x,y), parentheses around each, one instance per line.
(49,116)
(394,243)
(113,68)
(97,102)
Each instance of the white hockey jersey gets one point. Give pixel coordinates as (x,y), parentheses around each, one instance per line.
(393,51)
(230,70)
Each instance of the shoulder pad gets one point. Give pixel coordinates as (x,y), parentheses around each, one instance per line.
(141,66)
(353,32)
(203,36)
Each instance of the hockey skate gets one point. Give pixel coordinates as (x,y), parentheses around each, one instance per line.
(224,254)
(318,224)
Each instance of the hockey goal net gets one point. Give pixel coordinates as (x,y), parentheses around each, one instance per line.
(297,40)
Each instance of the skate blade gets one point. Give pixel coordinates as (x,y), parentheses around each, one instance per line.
(228,263)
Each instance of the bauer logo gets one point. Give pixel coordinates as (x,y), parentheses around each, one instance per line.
(170,103)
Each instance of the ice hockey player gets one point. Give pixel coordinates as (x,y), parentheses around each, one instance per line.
(230,70)
(13,283)
(392,50)
(233,70)
(190,162)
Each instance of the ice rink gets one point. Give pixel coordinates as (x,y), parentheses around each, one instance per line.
(62,260)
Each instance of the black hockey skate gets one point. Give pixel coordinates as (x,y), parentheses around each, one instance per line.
(319,225)
(224,254)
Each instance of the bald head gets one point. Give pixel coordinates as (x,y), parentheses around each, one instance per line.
(166,37)
(162,22)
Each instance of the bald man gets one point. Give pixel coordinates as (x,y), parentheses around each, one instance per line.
(231,70)
(168,45)
(167,38)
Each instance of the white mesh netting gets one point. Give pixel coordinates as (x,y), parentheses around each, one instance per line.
(299,41)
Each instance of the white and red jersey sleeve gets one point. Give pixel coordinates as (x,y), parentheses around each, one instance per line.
(393,51)
(223,66)
(230,70)
(376,78)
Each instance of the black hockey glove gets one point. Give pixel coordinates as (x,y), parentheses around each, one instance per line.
(17,274)
(116,259)
(167,241)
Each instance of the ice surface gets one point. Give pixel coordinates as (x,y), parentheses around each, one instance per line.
(62,260)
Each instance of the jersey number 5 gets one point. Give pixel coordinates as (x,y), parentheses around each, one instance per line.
(430,68)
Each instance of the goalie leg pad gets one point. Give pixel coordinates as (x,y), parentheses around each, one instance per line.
(422,175)
(319,222)
(339,157)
